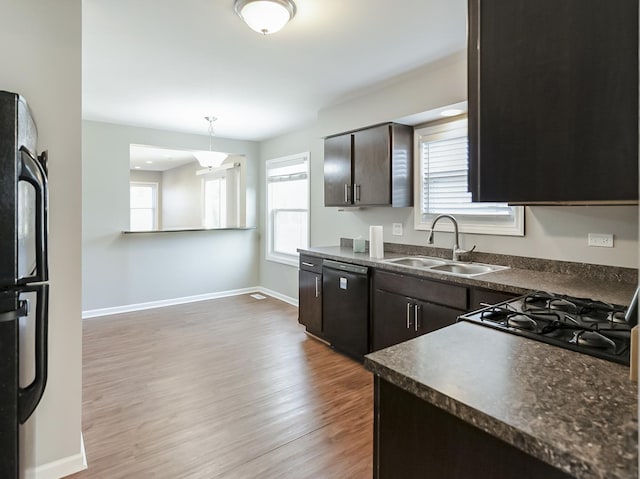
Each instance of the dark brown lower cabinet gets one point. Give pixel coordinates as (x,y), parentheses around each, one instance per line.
(405,307)
(416,440)
(480,297)
(398,318)
(310,294)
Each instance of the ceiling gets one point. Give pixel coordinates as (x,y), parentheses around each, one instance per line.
(167,64)
(152,158)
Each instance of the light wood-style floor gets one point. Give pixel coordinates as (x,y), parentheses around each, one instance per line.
(229,388)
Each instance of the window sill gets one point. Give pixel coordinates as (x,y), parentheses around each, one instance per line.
(182,230)
(289,260)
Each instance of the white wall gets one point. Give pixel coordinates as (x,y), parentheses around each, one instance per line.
(41,60)
(434,85)
(146,176)
(120,270)
(273,275)
(558,233)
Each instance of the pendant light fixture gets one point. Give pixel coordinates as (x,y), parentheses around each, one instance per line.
(210,159)
(265,16)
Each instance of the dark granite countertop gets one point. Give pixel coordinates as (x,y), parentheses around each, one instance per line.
(611,284)
(573,411)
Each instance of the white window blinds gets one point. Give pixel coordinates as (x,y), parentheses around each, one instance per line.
(441,169)
(444,156)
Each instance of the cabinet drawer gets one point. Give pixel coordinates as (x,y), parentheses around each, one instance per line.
(310,263)
(487,296)
(450,295)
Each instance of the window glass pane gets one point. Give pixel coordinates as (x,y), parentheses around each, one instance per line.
(143,205)
(289,194)
(142,219)
(290,231)
(142,196)
(215,203)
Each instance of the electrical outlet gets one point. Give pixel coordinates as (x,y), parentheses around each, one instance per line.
(602,240)
(397,229)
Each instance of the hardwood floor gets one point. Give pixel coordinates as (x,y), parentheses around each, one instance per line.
(223,389)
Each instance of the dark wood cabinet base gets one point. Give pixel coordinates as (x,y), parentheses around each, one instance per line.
(414,439)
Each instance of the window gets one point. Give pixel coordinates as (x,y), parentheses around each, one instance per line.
(287,207)
(215,202)
(143,204)
(223,204)
(442,153)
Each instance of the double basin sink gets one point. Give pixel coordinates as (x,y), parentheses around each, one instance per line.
(438,265)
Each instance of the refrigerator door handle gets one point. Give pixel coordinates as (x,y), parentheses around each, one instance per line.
(29,397)
(23,310)
(43,159)
(32,171)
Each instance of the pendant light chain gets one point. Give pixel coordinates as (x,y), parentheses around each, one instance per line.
(210,119)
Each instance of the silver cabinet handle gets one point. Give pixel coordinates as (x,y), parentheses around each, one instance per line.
(317,288)
(346,193)
(356,192)
(408,315)
(311,265)
(416,318)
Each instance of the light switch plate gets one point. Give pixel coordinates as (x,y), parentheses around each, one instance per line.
(602,240)
(397,229)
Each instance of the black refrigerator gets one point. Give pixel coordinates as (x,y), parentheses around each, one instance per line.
(24,292)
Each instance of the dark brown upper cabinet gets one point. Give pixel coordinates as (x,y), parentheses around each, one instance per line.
(369,167)
(553,101)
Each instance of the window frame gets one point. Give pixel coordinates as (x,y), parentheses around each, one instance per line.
(156,203)
(270,254)
(475,224)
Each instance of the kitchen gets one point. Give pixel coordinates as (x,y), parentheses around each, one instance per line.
(552,232)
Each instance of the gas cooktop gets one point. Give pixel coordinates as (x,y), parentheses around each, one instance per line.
(583,325)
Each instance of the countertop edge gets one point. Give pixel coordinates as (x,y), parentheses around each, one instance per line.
(505,281)
(548,453)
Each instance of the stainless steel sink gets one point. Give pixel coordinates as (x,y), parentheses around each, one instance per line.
(455,268)
(416,261)
(464,269)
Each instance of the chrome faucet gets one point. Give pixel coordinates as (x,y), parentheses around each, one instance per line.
(456,251)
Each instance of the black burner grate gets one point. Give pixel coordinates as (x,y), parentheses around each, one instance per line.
(591,327)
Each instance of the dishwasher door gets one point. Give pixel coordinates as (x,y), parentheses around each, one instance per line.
(345,307)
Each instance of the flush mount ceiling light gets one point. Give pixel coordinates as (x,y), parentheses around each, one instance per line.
(265,16)
(210,159)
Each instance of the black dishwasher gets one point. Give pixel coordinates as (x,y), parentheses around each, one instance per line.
(345,307)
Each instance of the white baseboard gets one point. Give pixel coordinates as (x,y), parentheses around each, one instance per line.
(280,296)
(128,308)
(62,467)
(94,313)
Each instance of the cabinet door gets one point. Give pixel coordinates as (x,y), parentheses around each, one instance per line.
(429,317)
(310,301)
(393,317)
(372,166)
(337,171)
(414,439)
(553,100)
